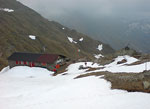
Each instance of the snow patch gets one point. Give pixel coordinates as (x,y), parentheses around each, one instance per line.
(71,40)
(32,37)
(81,39)
(98,56)
(63,28)
(6,10)
(128,69)
(74,68)
(100,47)
(119,68)
(75,42)
(129,59)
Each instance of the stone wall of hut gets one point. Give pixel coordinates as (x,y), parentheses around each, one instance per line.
(60,61)
(36,64)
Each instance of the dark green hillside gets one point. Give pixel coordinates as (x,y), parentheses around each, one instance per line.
(15,27)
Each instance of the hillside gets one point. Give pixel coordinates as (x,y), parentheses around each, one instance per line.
(117,32)
(24,30)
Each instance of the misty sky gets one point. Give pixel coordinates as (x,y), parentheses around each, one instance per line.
(105,20)
(90,8)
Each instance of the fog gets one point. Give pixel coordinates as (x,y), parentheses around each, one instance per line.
(90,8)
(105,20)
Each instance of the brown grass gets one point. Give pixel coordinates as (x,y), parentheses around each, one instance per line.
(93,69)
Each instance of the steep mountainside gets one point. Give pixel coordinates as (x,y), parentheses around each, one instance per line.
(24,30)
(117,32)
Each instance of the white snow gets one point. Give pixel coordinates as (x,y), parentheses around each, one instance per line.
(75,42)
(6,10)
(81,39)
(4,69)
(118,68)
(74,68)
(128,69)
(98,56)
(32,37)
(100,47)
(63,28)
(71,40)
(36,88)
(129,59)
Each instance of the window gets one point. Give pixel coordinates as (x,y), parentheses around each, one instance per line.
(30,64)
(25,63)
(43,64)
(33,64)
(17,62)
(57,66)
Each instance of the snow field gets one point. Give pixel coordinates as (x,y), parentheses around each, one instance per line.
(118,68)
(35,88)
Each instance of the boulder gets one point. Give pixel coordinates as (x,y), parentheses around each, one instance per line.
(146,84)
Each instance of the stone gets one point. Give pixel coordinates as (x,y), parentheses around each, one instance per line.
(146,84)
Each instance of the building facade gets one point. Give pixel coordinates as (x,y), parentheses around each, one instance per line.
(50,61)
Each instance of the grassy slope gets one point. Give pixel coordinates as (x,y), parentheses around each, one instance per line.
(15,28)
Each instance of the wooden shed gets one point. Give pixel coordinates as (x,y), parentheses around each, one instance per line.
(49,61)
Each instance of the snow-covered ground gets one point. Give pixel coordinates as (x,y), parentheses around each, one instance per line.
(32,37)
(6,10)
(118,68)
(36,88)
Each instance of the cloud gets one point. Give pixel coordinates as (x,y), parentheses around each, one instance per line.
(103,19)
(89,6)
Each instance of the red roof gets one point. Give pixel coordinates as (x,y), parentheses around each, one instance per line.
(48,58)
(33,57)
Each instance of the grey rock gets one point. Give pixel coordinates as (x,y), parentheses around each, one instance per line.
(146,84)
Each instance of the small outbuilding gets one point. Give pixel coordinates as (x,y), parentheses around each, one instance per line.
(50,61)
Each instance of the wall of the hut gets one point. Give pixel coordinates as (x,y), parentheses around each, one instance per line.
(45,65)
(60,61)
(11,63)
